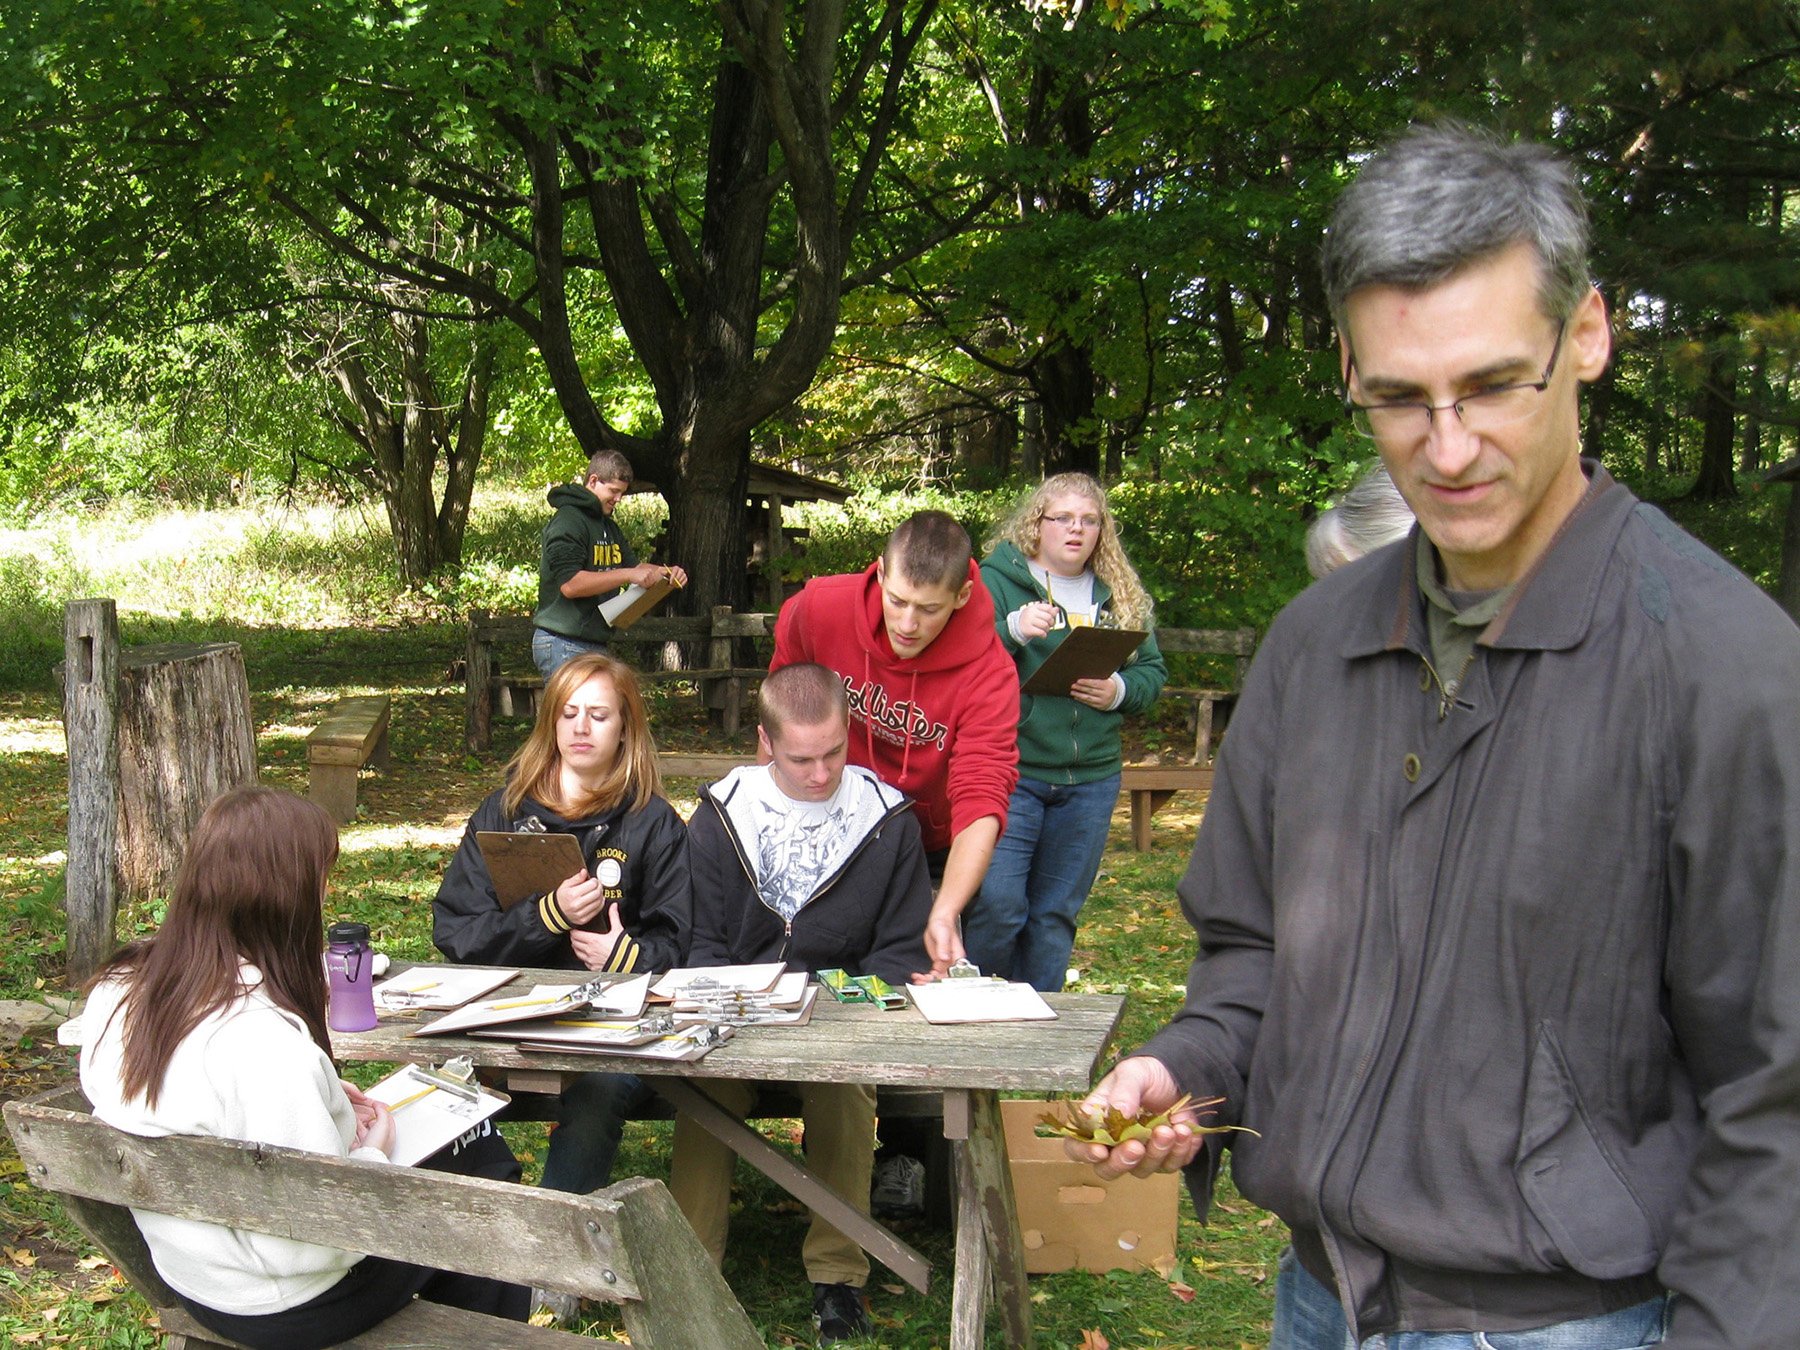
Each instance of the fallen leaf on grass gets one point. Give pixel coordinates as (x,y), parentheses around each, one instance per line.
(894,1288)
(1040,1296)
(20,1257)
(1092,1339)
(1164,1265)
(1184,1292)
(92,1262)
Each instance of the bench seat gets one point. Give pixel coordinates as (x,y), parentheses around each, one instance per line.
(353,732)
(1152,785)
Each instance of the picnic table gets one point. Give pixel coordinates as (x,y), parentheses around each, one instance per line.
(969,1064)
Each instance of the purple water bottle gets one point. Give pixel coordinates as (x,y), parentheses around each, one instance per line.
(349,968)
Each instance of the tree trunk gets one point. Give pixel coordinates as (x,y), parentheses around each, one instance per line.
(707,522)
(1787,589)
(185,736)
(1718,442)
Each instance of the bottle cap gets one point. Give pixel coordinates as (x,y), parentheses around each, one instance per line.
(348,935)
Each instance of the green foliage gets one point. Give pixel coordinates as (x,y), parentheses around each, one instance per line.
(1219,537)
(849,537)
(34,583)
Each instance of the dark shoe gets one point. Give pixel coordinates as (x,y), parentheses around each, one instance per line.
(898,1189)
(839,1314)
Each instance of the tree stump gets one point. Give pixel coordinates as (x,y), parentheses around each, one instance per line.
(154,734)
(185,736)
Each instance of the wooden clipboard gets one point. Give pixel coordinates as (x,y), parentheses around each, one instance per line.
(632,603)
(524,864)
(1085,654)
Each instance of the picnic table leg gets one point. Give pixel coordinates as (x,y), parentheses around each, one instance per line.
(990,1255)
(797,1181)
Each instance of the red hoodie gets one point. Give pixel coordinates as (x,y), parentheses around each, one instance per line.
(941,726)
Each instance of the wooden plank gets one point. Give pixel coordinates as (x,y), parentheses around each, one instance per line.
(1239,642)
(1167,777)
(688,1304)
(985,1195)
(843,1043)
(352,724)
(420,1325)
(852,1222)
(91,726)
(528,1235)
(706,766)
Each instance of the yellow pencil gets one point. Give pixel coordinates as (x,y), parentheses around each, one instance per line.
(408,1101)
(419,988)
(525,1002)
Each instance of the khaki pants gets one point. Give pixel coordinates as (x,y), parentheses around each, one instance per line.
(840,1150)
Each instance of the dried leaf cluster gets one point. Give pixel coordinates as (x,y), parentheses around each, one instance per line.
(1113,1126)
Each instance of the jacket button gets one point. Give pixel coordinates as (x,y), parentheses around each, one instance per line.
(1410,767)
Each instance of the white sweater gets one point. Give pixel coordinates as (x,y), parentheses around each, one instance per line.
(248,1072)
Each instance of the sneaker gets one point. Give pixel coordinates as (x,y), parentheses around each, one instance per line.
(839,1314)
(552,1308)
(898,1189)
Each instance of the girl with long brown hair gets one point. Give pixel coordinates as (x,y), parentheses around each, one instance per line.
(588,769)
(216,1026)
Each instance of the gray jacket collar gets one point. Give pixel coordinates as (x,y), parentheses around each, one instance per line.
(1551,607)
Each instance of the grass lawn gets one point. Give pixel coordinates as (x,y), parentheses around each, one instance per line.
(54,1291)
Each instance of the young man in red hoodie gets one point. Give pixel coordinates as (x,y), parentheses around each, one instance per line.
(934,698)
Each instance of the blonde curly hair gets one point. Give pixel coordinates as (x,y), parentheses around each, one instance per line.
(1023,529)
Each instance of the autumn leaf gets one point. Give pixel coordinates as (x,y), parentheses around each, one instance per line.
(1184,1292)
(19,1256)
(1092,1339)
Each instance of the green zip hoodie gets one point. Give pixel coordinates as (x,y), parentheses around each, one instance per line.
(1062,740)
(579,538)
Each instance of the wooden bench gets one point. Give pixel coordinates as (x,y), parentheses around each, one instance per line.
(710,768)
(1209,709)
(1152,785)
(627,1244)
(492,690)
(353,733)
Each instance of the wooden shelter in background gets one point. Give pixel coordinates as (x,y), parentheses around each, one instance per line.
(770,488)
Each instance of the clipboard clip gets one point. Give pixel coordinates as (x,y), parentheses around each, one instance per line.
(455,1076)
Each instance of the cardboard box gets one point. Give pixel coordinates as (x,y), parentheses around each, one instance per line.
(1072,1220)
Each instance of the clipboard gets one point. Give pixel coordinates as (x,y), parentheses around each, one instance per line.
(432,1107)
(525,863)
(1085,654)
(632,603)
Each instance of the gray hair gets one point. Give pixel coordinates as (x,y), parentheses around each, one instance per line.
(1369,515)
(1446,195)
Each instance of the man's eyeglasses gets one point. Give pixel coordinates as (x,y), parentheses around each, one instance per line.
(1498,405)
(1064,521)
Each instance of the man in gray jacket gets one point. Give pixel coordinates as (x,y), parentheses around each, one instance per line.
(1496,889)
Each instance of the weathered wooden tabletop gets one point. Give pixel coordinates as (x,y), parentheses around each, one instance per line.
(843,1043)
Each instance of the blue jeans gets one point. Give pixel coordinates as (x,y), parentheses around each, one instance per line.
(550,650)
(1022,924)
(1309,1317)
(590,1121)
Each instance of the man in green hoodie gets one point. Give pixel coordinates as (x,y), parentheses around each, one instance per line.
(584,560)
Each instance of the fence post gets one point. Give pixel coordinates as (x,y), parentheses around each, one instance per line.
(91,724)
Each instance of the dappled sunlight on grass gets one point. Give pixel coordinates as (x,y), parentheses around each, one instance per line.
(357,839)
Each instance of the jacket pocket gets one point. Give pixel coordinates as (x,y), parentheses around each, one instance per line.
(1570,1182)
